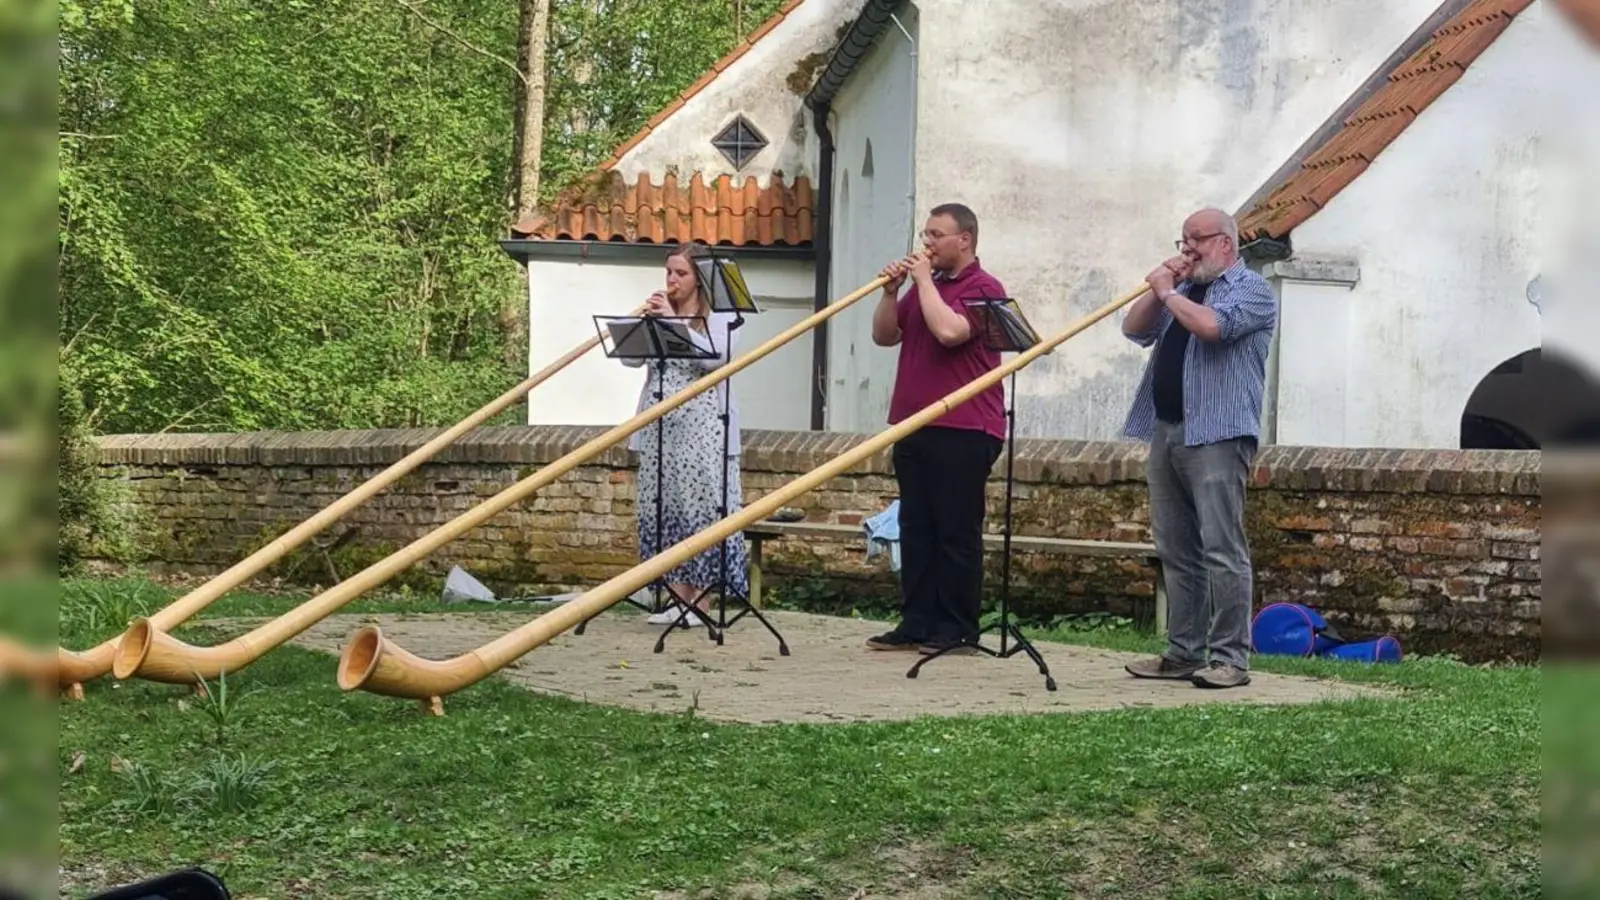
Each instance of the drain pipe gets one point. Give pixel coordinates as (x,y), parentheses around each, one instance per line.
(822,237)
(912,244)
(853,45)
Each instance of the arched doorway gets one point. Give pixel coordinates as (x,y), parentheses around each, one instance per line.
(1532,401)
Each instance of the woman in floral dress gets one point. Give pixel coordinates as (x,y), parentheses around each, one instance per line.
(692,460)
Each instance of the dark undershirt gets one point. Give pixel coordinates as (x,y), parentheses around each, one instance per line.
(1167,380)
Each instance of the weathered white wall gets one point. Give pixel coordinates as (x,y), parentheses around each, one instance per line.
(757,84)
(873,219)
(1446,225)
(1083,131)
(565,296)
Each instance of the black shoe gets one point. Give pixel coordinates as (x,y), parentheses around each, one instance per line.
(947,648)
(892,640)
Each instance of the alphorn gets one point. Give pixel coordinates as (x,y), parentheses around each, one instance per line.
(373,663)
(24,663)
(75,667)
(147,651)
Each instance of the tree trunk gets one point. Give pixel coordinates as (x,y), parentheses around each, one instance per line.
(533,41)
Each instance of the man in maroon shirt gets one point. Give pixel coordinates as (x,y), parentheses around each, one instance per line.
(941,468)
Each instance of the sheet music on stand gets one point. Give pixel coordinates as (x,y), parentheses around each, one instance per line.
(651,337)
(723,287)
(1003,324)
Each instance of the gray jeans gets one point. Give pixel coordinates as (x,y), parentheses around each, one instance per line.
(1197,519)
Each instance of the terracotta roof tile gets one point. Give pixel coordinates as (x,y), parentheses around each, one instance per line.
(1408,89)
(605,207)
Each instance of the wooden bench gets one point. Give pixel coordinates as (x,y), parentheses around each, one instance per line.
(759,534)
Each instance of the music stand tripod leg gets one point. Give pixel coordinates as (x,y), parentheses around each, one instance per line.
(658,395)
(749,608)
(1004,624)
(722,622)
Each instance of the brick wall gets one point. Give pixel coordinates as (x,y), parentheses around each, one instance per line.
(1438,547)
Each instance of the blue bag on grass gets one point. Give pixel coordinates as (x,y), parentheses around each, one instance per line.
(1384,649)
(1291,629)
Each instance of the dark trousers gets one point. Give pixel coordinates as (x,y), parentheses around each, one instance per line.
(942,473)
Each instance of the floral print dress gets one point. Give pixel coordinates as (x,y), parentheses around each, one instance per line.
(692,463)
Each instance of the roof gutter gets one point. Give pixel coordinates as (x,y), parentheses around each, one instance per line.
(876,17)
(1262,250)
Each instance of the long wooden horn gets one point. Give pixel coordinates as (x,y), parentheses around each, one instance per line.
(19,661)
(146,651)
(371,662)
(75,668)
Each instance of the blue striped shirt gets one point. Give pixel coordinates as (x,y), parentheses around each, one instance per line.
(1223,380)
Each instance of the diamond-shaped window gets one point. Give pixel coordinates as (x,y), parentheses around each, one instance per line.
(739,142)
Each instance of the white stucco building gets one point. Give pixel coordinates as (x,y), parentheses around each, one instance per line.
(1383,157)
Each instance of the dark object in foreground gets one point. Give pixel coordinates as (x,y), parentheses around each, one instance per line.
(186,884)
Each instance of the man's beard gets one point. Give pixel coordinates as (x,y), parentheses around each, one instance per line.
(1204,273)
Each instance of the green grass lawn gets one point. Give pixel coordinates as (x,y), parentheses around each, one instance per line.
(297,790)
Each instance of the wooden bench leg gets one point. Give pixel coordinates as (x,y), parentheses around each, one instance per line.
(755,573)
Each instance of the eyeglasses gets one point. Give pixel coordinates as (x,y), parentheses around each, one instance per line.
(1195,241)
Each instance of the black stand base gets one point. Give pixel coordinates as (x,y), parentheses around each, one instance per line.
(1003,624)
(1006,628)
(674,601)
(722,623)
(628,600)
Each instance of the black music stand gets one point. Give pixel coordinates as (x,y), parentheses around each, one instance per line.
(1006,330)
(652,338)
(723,289)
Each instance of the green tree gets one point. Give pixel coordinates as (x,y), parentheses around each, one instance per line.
(616,63)
(284,214)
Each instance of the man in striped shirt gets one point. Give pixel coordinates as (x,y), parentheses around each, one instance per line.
(1210,319)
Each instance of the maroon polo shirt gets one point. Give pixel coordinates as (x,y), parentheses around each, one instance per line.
(928,370)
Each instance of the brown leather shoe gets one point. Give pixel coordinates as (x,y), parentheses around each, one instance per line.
(1163,668)
(1221,675)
